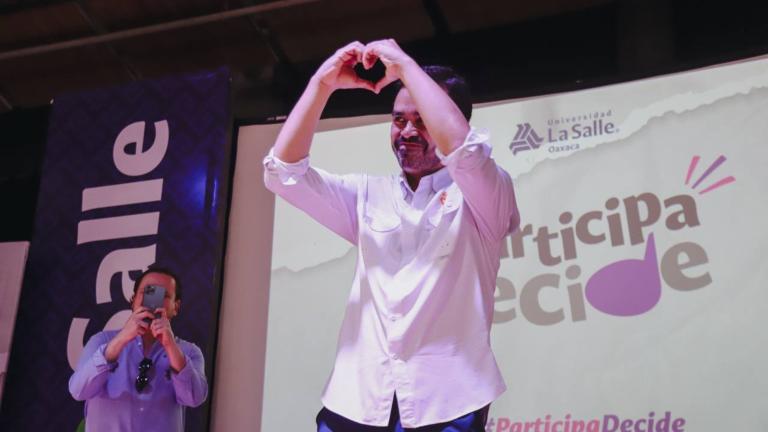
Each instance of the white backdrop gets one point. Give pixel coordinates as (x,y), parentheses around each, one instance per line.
(633,293)
(13,257)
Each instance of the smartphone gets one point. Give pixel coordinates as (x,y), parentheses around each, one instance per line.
(153,298)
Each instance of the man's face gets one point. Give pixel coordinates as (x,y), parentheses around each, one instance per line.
(170,303)
(411,142)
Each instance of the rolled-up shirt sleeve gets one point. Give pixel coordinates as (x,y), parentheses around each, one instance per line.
(486,187)
(328,198)
(90,377)
(189,384)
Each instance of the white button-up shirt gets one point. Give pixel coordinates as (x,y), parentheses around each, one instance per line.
(419,314)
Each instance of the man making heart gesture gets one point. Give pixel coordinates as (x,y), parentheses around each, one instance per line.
(414,347)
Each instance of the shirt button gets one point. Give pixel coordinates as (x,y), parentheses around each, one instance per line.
(394,317)
(394,356)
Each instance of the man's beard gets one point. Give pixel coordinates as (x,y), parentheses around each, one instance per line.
(414,155)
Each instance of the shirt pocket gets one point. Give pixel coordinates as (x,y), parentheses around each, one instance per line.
(380,238)
(443,214)
(442,233)
(381,221)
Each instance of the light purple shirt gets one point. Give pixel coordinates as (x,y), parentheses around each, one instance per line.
(112,403)
(419,313)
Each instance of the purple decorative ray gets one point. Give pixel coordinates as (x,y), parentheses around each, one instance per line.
(709,170)
(723,182)
(691,168)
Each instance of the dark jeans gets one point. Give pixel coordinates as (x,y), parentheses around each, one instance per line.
(328,421)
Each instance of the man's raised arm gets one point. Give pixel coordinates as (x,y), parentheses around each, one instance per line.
(443,119)
(337,72)
(329,199)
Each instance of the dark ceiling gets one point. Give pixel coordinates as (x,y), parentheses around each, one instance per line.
(506,48)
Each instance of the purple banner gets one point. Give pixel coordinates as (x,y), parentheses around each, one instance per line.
(132,175)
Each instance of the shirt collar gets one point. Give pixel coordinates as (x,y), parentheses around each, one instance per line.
(436,181)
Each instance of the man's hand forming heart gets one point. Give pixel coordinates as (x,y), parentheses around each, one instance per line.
(391,55)
(338,71)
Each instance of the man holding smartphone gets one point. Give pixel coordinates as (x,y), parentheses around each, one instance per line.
(142,376)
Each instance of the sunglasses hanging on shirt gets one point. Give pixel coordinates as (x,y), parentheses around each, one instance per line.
(143,379)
